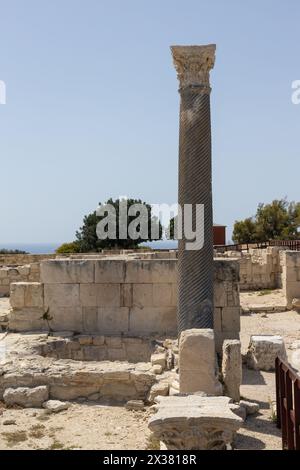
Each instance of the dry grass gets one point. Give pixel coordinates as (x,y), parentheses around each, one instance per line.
(15,437)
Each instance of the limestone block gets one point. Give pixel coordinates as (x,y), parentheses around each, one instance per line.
(26,397)
(232,368)
(55,405)
(126,295)
(110,271)
(197,362)
(27,319)
(153,320)
(61,295)
(3,273)
(113,320)
(116,354)
(66,271)
(217,319)
(100,295)
(238,410)
(221,336)
(85,340)
(296,304)
(174,298)
(17,294)
(250,407)
(151,271)
(34,295)
(158,389)
(159,359)
(292,290)
(135,405)
(263,350)
(220,295)
(66,318)
(24,270)
(157,369)
(90,319)
(114,342)
(162,295)
(231,319)
(194,422)
(99,340)
(142,295)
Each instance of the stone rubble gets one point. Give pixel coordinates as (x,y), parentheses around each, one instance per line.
(25,396)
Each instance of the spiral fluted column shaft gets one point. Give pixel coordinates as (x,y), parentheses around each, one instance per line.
(195,267)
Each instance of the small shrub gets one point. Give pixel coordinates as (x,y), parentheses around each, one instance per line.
(66,248)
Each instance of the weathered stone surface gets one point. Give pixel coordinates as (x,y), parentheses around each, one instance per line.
(232,368)
(158,389)
(263,350)
(135,405)
(55,405)
(68,379)
(197,362)
(238,410)
(157,369)
(159,359)
(296,304)
(26,397)
(67,271)
(194,422)
(250,407)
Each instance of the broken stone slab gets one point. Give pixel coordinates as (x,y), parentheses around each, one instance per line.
(158,389)
(197,362)
(194,422)
(156,369)
(263,350)
(250,407)
(232,368)
(238,410)
(159,359)
(55,405)
(135,405)
(26,397)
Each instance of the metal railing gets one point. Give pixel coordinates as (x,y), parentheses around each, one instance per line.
(288,404)
(290,244)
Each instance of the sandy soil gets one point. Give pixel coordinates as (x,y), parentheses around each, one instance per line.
(82,426)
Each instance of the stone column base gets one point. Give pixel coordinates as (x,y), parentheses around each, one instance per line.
(197,362)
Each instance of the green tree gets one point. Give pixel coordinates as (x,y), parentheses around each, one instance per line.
(87,238)
(244,231)
(72,247)
(279,220)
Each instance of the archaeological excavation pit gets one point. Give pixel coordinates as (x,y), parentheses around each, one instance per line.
(90,367)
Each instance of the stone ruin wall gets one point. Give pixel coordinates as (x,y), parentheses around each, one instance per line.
(290,263)
(259,268)
(118,296)
(25,273)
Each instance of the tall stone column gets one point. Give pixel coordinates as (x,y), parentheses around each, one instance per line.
(195,267)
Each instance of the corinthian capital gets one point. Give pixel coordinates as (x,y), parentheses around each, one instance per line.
(193,64)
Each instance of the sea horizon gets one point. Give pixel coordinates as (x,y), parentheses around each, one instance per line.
(49,248)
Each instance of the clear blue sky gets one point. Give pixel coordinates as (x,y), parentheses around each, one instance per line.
(92,106)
